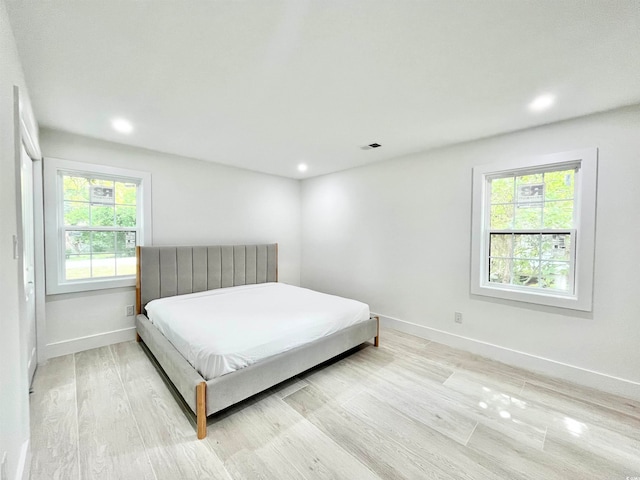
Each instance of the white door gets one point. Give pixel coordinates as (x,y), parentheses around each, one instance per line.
(28,252)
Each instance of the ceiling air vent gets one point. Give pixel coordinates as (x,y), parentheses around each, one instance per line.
(370,146)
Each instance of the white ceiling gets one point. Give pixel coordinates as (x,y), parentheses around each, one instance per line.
(265,85)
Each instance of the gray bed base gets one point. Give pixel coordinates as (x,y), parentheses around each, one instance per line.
(159,267)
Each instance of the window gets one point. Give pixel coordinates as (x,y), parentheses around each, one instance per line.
(534,230)
(94,218)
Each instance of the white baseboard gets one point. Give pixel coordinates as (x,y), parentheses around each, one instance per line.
(546,366)
(24,463)
(80,344)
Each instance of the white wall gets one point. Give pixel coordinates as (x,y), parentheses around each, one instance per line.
(397,235)
(14,390)
(194,202)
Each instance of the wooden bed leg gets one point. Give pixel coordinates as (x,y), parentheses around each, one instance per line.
(201,409)
(376,341)
(138,337)
(138,281)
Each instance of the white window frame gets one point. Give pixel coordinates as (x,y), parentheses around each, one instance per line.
(54,222)
(583,233)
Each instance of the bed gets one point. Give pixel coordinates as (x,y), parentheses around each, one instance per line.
(193,301)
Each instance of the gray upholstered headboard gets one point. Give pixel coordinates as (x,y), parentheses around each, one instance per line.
(168,271)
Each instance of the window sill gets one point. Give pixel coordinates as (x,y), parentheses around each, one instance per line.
(86,286)
(571,302)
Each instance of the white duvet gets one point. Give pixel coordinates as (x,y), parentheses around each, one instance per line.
(220,331)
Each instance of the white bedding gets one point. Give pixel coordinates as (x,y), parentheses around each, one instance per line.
(220,331)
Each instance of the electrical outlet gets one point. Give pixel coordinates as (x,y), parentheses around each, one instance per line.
(458,317)
(129,310)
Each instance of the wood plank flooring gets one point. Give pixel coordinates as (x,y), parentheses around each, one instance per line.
(411,409)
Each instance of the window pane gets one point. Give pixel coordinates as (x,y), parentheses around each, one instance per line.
(559,185)
(105,261)
(528,217)
(75,188)
(558,214)
(529,179)
(500,270)
(526,272)
(556,247)
(76,213)
(103,265)
(125,242)
(501,245)
(102,192)
(126,265)
(502,190)
(103,242)
(77,266)
(126,193)
(102,215)
(555,275)
(125,216)
(526,246)
(96,182)
(77,242)
(501,217)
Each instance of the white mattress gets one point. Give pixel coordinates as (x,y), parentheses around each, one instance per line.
(223,330)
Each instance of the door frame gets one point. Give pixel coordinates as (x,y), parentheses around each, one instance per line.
(28,261)
(26,136)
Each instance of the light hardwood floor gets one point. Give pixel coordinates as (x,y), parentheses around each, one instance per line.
(410,409)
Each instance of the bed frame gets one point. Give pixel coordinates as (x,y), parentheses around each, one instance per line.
(168,271)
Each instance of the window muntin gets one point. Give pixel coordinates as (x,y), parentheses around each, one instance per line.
(531,219)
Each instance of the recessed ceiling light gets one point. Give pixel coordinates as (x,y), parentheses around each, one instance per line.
(542,102)
(121,125)
(302,167)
